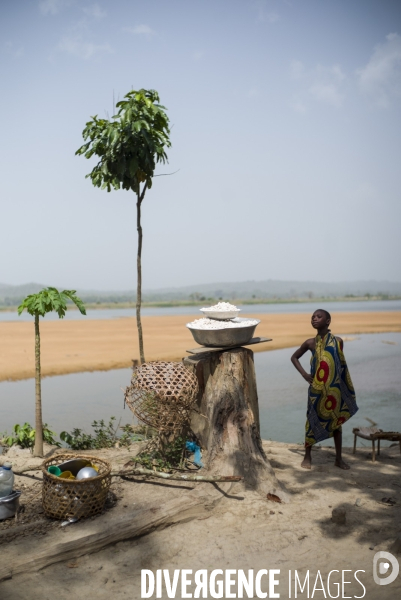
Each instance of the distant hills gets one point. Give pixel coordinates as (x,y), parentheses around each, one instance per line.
(271,289)
(244,290)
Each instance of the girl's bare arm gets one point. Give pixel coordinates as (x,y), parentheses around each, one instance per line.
(297,355)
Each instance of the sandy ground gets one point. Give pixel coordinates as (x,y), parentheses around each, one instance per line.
(76,346)
(244,531)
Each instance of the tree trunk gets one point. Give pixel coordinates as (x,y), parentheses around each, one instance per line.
(38,448)
(139,275)
(226,420)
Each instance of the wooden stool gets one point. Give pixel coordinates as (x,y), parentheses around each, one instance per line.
(372,434)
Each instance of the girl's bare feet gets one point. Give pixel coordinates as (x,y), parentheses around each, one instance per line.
(307,462)
(341,464)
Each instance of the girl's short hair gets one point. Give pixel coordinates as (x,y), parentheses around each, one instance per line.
(328,315)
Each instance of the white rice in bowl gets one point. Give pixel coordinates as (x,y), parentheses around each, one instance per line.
(206,323)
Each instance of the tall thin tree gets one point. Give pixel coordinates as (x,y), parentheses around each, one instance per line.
(129,146)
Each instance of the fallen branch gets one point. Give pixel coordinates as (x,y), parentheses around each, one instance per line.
(175,476)
(150,473)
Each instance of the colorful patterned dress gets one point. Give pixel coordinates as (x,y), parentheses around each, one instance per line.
(331,397)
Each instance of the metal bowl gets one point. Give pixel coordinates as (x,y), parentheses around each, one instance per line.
(230,336)
(9,505)
(87,473)
(220,315)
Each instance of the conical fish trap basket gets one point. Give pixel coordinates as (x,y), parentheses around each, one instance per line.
(162,394)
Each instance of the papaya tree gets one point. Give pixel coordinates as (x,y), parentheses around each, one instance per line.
(38,305)
(128,148)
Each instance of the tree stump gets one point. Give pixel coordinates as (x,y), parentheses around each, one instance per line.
(226,419)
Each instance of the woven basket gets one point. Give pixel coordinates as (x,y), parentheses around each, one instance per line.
(64,498)
(162,395)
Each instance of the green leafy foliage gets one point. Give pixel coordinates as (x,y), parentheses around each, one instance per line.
(105,436)
(48,300)
(77,439)
(24,436)
(136,433)
(130,145)
(170,458)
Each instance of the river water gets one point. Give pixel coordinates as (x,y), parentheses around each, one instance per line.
(76,400)
(247,309)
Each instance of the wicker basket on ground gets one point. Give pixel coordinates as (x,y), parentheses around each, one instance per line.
(65,498)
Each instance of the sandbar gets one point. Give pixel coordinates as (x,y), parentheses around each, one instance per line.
(78,346)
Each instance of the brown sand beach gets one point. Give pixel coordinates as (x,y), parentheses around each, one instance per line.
(233,528)
(89,345)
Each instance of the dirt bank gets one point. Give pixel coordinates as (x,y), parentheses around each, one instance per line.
(242,531)
(76,346)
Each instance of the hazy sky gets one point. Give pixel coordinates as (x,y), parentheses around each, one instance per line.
(286,132)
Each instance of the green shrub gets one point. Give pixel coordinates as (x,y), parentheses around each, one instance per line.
(105,436)
(24,436)
(169,457)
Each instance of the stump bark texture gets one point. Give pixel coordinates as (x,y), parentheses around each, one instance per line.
(226,419)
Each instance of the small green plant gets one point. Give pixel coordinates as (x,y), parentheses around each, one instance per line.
(170,458)
(77,439)
(24,436)
(135,433)
(48,436)
(105,436)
